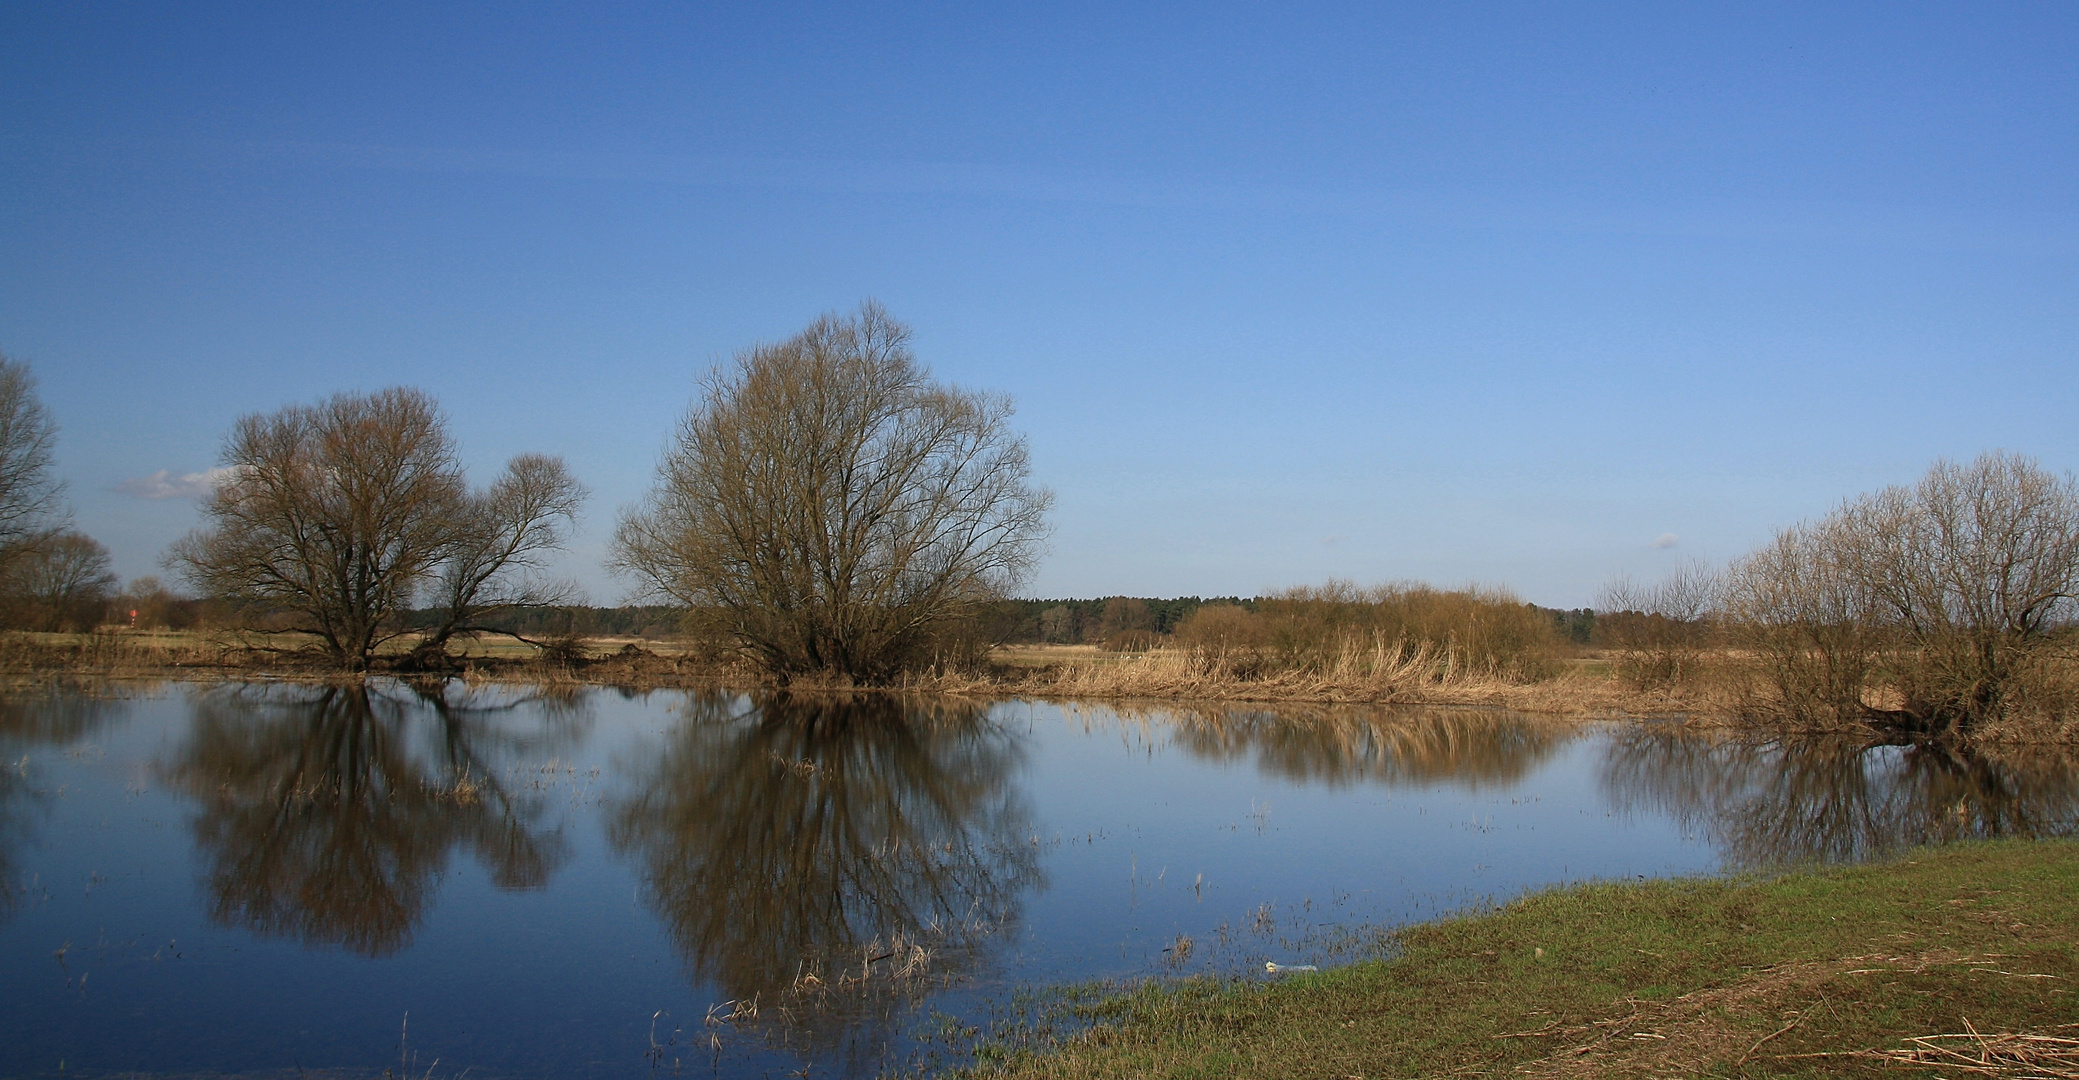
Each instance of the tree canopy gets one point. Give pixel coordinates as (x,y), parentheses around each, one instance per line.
(830,508)
(333,518)
(31,507)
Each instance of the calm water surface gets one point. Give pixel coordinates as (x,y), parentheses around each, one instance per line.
(291,881)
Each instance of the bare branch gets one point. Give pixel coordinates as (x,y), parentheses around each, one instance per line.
(1946,590)
(834,509)
(31,498)
(332,515)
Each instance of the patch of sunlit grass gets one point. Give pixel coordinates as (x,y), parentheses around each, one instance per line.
(1847,971)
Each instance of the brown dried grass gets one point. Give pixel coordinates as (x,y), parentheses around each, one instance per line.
(2003,1054)
(1372,673)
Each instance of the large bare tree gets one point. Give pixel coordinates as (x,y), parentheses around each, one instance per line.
(1975,565)
(31,506)
(832,509)
(1947,593)
(333,518)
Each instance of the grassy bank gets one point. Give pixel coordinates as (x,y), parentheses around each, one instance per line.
(1950,962)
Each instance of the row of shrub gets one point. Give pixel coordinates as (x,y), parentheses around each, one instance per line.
(1931,610)
(1483,630)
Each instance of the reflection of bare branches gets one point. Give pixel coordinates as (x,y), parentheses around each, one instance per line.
(31,718)
(51,714)
(803,852)
(1775,802)
(1376,746)
(327,811)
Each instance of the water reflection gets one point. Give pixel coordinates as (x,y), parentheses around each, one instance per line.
(839,853)
(838,862)
(1338,747)
(34,719)
(328,812)
(1768,802)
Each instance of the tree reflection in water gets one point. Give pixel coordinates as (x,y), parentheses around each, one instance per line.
(1771,802)
(1372,746)
(32,719)
(328,811)
(804,852)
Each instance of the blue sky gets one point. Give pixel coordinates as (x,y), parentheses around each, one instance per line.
(1526,294)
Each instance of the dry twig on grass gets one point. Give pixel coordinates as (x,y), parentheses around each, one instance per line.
(2006,1054)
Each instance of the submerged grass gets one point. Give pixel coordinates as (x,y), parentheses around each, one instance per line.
(1949,962)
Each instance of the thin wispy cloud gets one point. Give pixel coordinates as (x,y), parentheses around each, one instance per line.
(1665,541)
(164,485)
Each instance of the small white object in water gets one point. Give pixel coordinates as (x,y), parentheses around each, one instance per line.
(1274,967)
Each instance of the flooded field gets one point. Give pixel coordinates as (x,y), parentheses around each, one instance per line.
(292,880)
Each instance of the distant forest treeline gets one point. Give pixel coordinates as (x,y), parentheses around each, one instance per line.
(1113,620)
(1110,619)
(1097,622)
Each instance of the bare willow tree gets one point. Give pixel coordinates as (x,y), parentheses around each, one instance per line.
(332,517)
(1975,566)
(31,498)
(1801,609)
(830,508)
(1948,592)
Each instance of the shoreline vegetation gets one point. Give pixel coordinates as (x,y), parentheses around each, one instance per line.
(1945,612)
(827,515)
(1718,686)
(1962,960)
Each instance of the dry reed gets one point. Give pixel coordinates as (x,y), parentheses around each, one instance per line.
(1359,672)
(2019,1055)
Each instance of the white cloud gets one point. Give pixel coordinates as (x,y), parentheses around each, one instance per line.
(1666,540)
(164,485)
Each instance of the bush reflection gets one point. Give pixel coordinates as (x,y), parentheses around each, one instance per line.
(1346,746)
(327,813)
(841,851)
(1769,802)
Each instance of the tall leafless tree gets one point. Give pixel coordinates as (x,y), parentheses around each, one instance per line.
(31,498)
(333,517)
(830,508)
(1975,565)
(1947,591)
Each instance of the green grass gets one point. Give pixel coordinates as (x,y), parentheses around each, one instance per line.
(1722,977)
